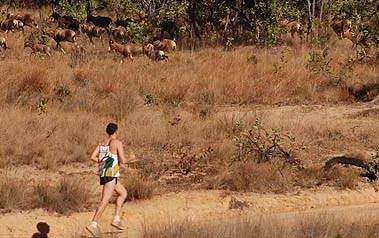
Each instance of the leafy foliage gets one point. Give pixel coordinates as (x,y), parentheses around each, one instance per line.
(76,9)
(318,61)
(228,22)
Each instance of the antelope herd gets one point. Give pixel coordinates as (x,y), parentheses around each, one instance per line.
(68,29)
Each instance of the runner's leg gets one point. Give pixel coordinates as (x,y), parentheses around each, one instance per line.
(108,189)
(122,194)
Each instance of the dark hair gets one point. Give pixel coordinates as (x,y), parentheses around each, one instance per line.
(111,128)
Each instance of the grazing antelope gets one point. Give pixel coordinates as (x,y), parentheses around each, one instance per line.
(357,40)
(9,15)
(66,22)
(292,27)
(11,24)
(63,35)
(341,26)
(19,25)
(38,48)
(92,31)
(119,33)
(98,21)
(153,54)
(128,50)
(124,22)
(165,45)
(3,43)
(27,19)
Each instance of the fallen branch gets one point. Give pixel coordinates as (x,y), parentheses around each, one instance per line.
(370,169)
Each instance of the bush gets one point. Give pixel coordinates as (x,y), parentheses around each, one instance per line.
(137,186)
(262,145)
(77,10)
(319,62)
(82,77)
(62,92)
(34,81)
(249,176)
(68,196)
(349,179)
(12,193)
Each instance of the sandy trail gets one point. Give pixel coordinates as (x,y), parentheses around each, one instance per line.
(194,205)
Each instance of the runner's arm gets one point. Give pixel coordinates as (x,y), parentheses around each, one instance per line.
(95,154)
(121,154)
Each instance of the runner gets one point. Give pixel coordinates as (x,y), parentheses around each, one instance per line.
(109,155)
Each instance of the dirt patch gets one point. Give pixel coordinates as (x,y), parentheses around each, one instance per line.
(367,113)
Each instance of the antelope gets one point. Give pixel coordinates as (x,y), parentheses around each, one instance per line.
(92,31)
(291,26)
(341,26)
(27,19)
(98,21)
(38,48)
(356,40)
(128,50)
(124,22)
(11,24)
(3,43)
(63,35)
(165,45)
(119,33)
(66,22)
(9,15)
(153,54)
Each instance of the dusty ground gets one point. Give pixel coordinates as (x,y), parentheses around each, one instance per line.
(198,206)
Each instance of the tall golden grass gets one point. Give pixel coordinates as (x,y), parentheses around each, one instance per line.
(64,196)
(311,225)
(208,77)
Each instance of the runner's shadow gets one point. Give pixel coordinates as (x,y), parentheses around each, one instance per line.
(43,229)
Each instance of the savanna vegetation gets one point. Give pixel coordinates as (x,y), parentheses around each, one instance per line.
(248,102)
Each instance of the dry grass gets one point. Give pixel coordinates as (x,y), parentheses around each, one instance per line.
(188,78)
(249,176)
(13,194)
(137,186)
(287,225)
(65,196)
(54,109)
(68,196)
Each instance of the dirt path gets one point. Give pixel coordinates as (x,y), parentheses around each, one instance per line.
(192,205)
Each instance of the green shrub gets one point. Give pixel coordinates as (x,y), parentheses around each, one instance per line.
(76,9)
(62,92)
(318,61)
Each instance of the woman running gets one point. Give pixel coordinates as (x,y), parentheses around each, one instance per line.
(109,155)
